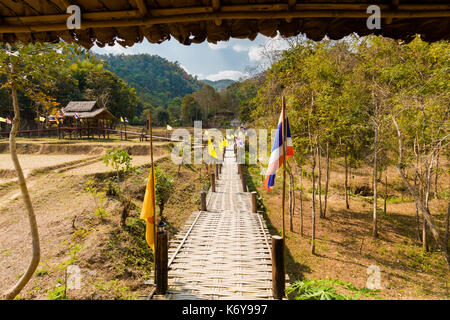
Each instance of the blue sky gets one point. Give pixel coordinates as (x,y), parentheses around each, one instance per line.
(232,59)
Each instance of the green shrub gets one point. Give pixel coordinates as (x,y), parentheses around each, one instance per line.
(326,290)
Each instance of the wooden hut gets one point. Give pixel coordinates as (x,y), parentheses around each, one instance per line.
(86,118)
(130,21)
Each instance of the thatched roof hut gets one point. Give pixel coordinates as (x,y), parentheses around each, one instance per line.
(87,110)
(194,21)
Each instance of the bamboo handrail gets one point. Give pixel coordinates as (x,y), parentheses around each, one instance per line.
(226,15)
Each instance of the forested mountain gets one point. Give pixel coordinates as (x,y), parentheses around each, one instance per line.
(78,77)
(219,84)
(157,81)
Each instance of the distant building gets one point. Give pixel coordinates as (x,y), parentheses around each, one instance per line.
(86,118)
(88,110)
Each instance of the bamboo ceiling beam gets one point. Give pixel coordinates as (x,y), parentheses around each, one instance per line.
(55,18)
(216,8)
(394,6)
(225,9)
(193,14)
(222,15)
(142,7)
(291,6)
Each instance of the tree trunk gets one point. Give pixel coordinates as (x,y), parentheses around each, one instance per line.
(161,209)
(417,214)
(36,251)
(327,179)
(447,216)
(290,200)
(424,236)
(436,177)
(313,212)
(319,154)
(347,205)
(293,195)
(375,159)
(426,214)
(301,201)
(385,191)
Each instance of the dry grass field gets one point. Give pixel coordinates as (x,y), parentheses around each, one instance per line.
(115,261)
(345,247)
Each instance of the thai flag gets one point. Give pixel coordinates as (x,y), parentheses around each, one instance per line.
(276,156)
(77,116)
(126,120)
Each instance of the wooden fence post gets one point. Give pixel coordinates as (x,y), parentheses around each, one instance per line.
(278,275)
(203,200)
(254,206)
(213,182)
(162,261)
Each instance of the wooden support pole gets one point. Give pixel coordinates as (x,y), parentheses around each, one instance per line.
(254,206)
(213,182)
(217,170)
(239,168)
(161,265)
(203,200)
(278,273)
(244,185)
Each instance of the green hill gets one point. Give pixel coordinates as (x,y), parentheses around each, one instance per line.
(219,84)
(157,81)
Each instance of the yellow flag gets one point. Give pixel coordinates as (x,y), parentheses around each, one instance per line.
(211,150)
(148,210)
(169,128)
(225,143)
(121,119)
(2,119)
(41,119)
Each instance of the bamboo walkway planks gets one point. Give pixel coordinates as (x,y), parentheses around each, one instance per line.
(225,253)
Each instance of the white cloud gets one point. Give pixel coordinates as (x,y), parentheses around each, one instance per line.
(115,49)
(255,53)
(184,68)
(226,74)
(240,48)
(219,45)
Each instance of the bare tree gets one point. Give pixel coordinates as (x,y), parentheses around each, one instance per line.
(422,201)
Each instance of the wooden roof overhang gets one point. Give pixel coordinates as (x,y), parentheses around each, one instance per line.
(105,22)
(97,114)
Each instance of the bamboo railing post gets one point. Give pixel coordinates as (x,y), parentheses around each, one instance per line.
(254,207)
(203,200)
(161,265)
(213,182)
(278,273)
